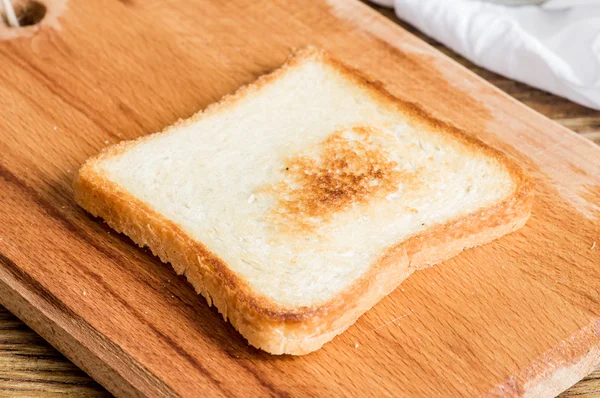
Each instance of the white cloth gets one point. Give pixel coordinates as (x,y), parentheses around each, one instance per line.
(555,47)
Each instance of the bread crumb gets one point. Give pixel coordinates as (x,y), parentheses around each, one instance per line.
(356,345)
(106,142)
(68,171)
(402,289)
(593,245)
(84,292)
(252,198)
(54,128)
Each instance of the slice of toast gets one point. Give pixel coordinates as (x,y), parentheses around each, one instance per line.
(300,201)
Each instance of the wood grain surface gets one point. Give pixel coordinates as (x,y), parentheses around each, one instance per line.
(512,314)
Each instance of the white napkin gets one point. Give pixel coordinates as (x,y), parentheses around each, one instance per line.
(555,47)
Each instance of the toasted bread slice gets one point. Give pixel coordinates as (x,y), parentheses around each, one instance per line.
(300,201)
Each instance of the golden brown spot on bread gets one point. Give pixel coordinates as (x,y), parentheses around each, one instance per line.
(350,167)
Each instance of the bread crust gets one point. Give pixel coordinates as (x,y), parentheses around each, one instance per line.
(264,323)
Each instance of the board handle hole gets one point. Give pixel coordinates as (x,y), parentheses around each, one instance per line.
(28,12)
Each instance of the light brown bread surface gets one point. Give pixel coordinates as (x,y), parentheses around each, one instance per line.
(299,202)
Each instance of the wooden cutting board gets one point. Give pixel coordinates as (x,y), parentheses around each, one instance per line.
(520,316)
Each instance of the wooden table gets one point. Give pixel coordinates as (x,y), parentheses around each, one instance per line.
(31,367)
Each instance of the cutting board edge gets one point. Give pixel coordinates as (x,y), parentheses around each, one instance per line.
(558,369)
(561,378)
(26,304)
(559,374)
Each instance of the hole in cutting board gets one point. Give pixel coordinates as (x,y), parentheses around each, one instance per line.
(28,12)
